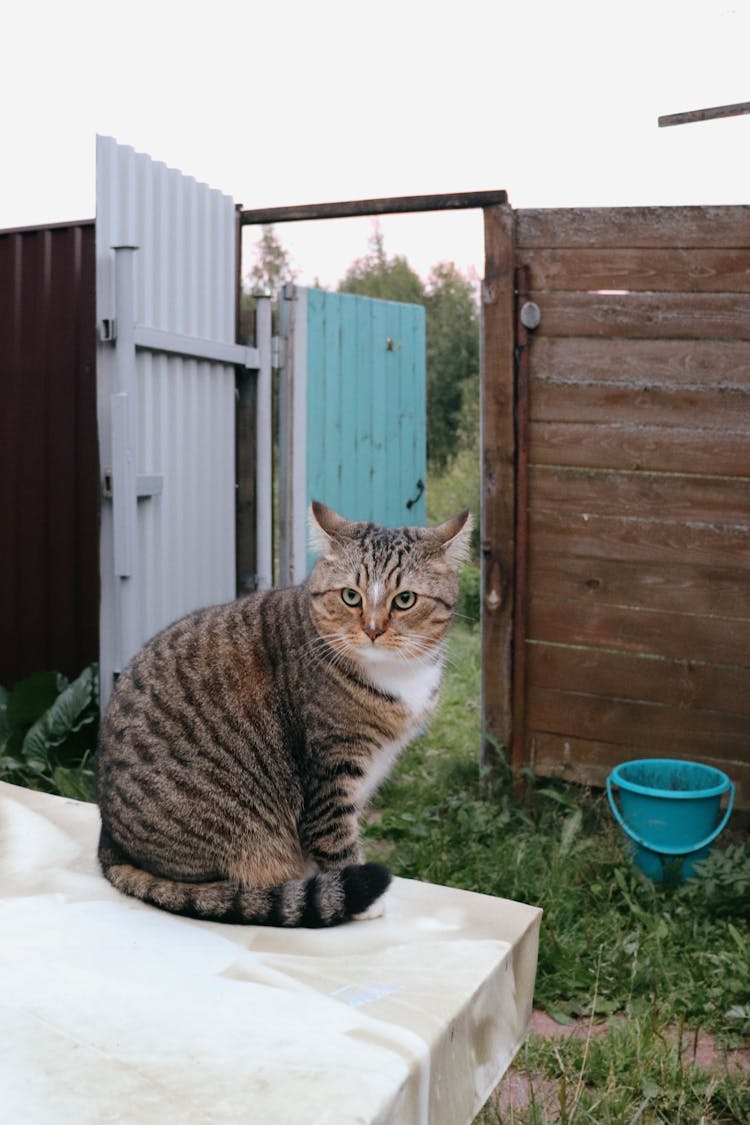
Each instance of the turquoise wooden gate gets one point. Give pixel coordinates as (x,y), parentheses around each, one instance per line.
(352,414)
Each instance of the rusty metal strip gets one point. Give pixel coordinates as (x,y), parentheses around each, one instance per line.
(521,537)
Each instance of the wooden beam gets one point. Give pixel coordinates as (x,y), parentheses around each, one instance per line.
(710,114)
(498,484)
(457,201)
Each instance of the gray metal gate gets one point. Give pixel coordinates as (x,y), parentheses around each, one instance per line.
(166,262)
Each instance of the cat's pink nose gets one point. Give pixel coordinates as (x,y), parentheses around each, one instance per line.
(373,630)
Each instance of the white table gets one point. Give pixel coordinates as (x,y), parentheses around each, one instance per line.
(113,1011)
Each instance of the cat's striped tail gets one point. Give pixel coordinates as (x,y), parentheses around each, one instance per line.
(326,899)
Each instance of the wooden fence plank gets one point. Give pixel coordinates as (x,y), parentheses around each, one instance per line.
(559,399)
(650,725)
(650,227)
(634,539)
(498,482)
(677,636)
(673,270)
(691,316)
(648,495)
(617,675)
(672,587)
(589,761)
(648,448)
(688,364)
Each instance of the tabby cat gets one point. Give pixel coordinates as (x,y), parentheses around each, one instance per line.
(241,744)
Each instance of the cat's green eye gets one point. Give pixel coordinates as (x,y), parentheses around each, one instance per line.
(404,600)
(351,597)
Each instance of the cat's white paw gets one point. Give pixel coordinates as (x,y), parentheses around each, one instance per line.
(376,909)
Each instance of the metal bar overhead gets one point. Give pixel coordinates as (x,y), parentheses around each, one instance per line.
(457,201)
(710,114)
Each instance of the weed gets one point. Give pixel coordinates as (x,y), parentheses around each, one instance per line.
(637,1072)
(469,598)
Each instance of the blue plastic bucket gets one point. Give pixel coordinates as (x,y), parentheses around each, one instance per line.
(670,812)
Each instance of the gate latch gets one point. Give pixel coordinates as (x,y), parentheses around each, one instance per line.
(415,500)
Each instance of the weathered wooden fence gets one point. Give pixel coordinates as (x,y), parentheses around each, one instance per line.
(631,460)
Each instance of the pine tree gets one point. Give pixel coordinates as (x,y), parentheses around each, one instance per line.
(452,362)
(272,267)
(377,275)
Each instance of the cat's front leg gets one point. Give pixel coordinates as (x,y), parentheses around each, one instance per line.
(329,833)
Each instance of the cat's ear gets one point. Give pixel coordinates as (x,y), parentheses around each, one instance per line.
(324,524)
(455,537)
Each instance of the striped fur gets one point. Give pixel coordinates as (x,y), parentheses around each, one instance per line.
(242,742)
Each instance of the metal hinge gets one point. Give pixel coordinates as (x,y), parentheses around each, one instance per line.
(145,486)
(108,330)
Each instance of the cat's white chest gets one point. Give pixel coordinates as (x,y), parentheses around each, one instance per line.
(415,685)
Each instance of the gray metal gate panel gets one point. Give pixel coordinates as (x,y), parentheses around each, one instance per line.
(166,411)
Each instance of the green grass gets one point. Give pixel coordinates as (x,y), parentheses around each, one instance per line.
(454,488)
(637,1072)
(614,946)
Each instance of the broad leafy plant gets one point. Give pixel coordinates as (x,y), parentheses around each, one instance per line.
(48,731)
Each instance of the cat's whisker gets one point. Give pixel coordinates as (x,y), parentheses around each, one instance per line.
(337,651)
(333,650)
(316,647)
(418,646)
(325,642)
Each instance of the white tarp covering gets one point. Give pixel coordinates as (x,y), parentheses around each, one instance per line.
(113,1011)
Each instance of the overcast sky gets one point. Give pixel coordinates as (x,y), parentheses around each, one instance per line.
(290,102)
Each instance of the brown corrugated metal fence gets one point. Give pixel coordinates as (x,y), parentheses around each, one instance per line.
(637,632)
(49,589)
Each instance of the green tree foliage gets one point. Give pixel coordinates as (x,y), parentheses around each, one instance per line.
(452,324)
(377,275)
(272,266)
(452,363)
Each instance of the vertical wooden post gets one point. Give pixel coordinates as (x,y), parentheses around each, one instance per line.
(245,458)
(498,484)
(246,503)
